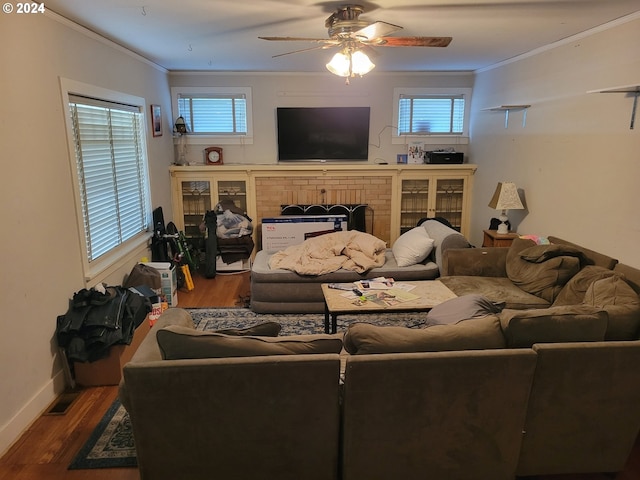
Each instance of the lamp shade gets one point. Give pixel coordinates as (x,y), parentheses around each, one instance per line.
(346,63)
(506,197)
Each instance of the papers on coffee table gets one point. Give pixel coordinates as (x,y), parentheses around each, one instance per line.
(387,297)
(379,283)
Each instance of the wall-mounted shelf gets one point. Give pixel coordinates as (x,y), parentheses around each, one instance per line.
(632,89)
(506,109)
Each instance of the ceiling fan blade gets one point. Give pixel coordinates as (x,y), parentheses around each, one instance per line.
(319,47)
(412,42)
(301,39)
(376,30)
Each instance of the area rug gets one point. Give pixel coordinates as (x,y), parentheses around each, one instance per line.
(111,443)
(296,324)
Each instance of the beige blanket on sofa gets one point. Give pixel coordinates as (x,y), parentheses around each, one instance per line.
(351,250)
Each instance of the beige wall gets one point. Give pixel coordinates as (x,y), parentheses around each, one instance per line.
(271,90)
(576,159)
(42,263)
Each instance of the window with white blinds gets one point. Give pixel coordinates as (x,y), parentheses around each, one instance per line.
(214,114)
(219,114)
(432,115)
(425,115)
(111,166)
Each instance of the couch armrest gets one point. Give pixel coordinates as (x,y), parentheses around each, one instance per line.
(482,262)
(444,239)
(149,351)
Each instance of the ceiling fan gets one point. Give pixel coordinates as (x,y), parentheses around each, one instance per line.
(355,37)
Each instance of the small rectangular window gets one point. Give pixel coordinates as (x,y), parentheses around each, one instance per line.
(214,114)
(434,114)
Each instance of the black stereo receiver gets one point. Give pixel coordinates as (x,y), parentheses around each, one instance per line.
(440,158)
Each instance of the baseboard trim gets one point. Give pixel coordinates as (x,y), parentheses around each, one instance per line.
(31,411)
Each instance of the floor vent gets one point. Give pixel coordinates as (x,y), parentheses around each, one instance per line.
(62,403)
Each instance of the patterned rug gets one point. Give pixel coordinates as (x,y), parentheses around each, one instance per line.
(111,443)
(296,324)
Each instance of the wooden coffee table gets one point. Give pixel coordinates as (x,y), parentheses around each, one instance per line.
(430,293)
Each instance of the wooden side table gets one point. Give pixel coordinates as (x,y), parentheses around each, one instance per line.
(494,239)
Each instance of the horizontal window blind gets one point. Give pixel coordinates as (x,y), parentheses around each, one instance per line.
(214,114)
(111,166)
(430,114)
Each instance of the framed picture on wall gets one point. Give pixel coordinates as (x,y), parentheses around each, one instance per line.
(156,120)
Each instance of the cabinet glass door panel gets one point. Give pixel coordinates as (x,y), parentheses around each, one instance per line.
(234,190)
(449,200)
(414,202)
(196,201)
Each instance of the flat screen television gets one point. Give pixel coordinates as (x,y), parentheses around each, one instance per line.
(323,133)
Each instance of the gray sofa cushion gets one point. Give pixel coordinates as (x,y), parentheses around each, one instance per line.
(475,334)
(547,274)
(264,329)
(621,303)
(177,342)
(496,289)
(462,308)
(445,238)
(572,323)
(262,273)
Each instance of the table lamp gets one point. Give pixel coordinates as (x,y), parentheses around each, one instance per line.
(505,198)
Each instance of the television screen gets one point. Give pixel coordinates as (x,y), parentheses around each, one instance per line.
(323,133)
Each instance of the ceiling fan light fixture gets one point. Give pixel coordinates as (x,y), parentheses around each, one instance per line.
(348,64)
(361,63)
(339,65)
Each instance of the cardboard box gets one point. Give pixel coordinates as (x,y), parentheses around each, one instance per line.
(244,264)
(279,233)
(169,281)
(108,370)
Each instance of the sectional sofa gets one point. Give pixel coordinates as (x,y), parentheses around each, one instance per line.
(524,391)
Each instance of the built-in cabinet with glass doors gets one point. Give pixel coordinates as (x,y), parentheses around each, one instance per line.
(430,196)
(195,193)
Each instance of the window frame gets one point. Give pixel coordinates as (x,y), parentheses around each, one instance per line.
(98,269)
(217,138)
(432,138)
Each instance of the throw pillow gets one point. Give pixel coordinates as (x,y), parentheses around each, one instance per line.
(622,304)
(264,329)
(574,291)
(462,308)
(478,334)
(572,323)
(412,247)
(544,279)
(177,342)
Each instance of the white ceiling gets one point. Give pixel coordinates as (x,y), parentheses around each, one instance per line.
(222,35)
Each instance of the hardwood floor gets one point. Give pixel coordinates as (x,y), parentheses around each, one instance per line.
(49,445)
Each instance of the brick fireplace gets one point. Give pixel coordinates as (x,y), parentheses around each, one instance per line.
(375,192)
